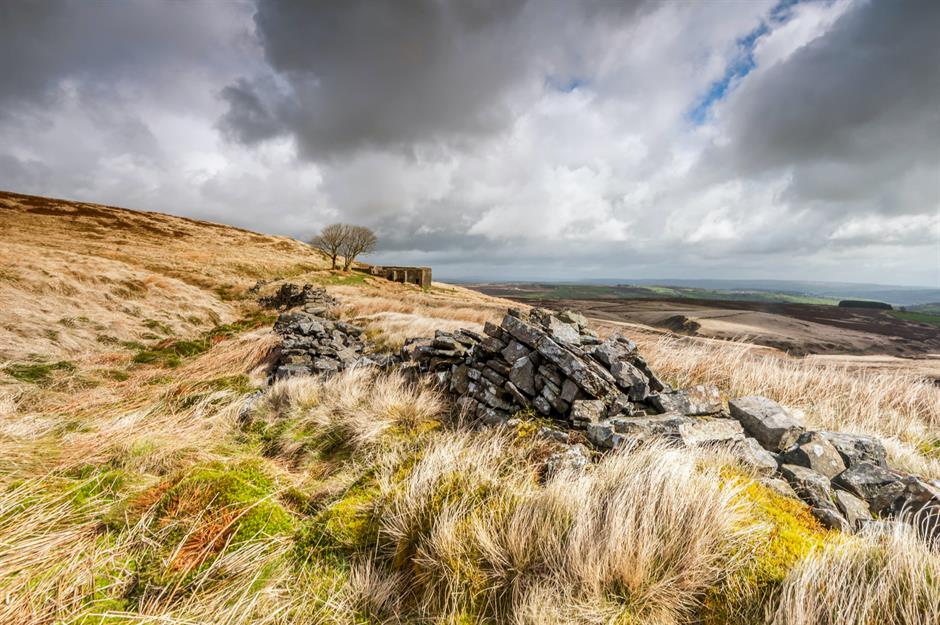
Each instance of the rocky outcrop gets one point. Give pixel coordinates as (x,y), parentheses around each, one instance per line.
(553,365)
(766,421)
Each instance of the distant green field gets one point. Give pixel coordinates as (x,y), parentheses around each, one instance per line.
(929,309)
(922,317)
(623,291)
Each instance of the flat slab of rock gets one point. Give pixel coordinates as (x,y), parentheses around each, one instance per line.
(750,452)
(563,332)
(586,411)
(854,510)
(630,379)
(520,330)
(765,420)
(708,430)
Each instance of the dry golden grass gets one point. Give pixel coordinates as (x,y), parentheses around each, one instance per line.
(76,277)
(158,417)
(471,530)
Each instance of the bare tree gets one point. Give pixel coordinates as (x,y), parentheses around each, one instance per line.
(331,240)
(360,240)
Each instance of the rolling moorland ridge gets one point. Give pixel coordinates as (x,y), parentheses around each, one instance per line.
(160,463)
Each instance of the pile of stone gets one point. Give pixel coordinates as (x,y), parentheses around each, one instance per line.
(844,478)
(315,342)
(289,295)
(552,364)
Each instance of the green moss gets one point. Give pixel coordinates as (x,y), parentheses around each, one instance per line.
(113,374)
(91,485)
(344,527)
(930,448)
(244,488)
(792,534)
(170,353)
(240,384)
(158,326)
(37,373)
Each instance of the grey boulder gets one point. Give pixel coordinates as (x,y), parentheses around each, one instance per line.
(813,488)
(814,452)
(854,510)
(764,419)
(750,452)
(695,401)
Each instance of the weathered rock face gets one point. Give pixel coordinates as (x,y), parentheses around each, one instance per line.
(694,401)
(856,448)
(854,510)
(816,490)
(773,427)
(881,488)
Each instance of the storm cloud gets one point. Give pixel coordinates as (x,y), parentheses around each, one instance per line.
(491,139)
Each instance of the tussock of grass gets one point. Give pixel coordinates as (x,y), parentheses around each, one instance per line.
(883,575)
(304,418)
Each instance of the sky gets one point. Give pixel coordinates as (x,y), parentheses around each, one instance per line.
(502,139)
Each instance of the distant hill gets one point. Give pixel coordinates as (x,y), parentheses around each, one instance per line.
(893,294)
(526,290)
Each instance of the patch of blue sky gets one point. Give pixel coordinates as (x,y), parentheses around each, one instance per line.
(565,84)
(742,63)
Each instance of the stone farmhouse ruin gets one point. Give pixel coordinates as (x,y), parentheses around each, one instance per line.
(420,276)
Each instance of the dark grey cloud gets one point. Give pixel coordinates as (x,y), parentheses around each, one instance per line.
(851,115)
(46,45)
(363,74)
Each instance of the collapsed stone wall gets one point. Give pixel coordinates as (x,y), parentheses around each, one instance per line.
(313,340)
(604,394)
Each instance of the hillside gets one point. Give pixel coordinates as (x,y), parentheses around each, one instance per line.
(152,472)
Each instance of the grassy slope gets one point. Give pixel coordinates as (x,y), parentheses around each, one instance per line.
(132,492)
